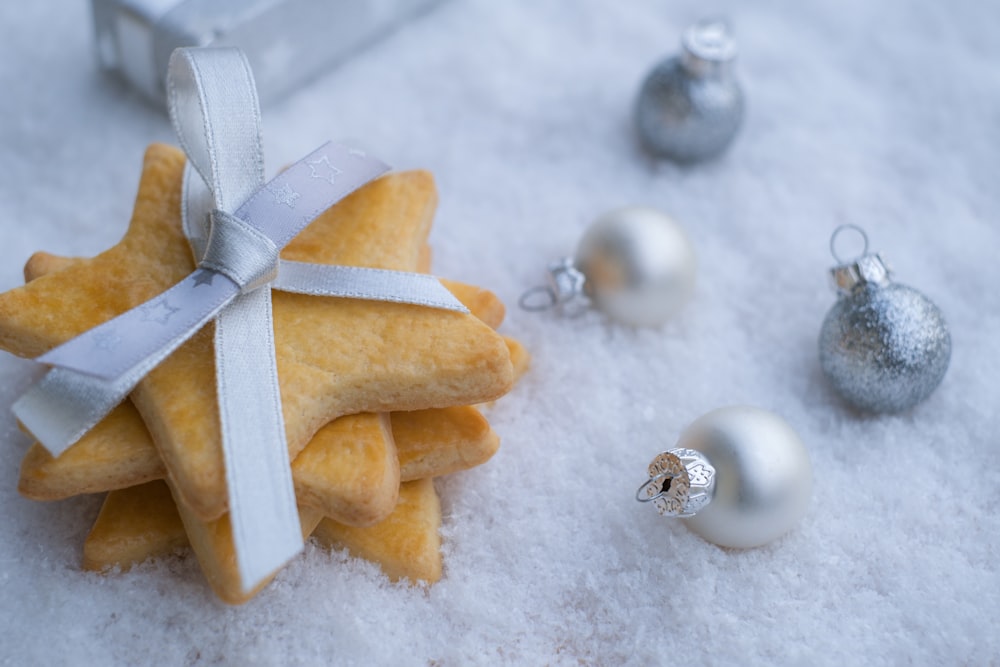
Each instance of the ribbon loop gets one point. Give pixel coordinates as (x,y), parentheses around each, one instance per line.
(216,115)
(240,252)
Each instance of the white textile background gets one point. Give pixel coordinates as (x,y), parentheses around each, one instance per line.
(884,114)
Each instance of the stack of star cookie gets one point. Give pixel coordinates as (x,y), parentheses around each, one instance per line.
(378,398)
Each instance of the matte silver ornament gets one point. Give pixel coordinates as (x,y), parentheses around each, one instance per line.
(634,264)
(883,346)
(690,106)
(740,477)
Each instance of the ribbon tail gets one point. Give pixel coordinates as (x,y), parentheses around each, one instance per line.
(355,282)
(60,408)
(64,405)
(262,508)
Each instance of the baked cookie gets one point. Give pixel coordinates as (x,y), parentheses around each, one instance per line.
(119,453)
(142,522)
(335,356)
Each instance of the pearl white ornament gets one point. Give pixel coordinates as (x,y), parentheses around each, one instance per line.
(639,265)
(745,480)
(635,264)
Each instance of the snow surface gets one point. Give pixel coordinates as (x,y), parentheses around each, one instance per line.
(884,114)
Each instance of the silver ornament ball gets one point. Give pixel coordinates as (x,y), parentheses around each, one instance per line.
(746,480)
(884,348)
(690,106)
(638,265)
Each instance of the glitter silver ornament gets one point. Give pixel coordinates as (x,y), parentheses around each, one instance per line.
(883,346)
(690,106)
(634,264)
(740,477)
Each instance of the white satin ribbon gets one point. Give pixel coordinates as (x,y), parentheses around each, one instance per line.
(236,225)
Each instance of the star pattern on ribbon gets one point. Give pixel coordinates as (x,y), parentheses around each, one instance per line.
(204,277)
(324,171)
(284,194)
(159,312)
(107,340)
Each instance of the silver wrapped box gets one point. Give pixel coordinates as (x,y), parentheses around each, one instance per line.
(288,42)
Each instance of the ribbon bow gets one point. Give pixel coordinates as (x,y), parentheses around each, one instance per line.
(236,225)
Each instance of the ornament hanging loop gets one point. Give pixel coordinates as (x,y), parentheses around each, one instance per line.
(538,299)
(564,291)
(840,230)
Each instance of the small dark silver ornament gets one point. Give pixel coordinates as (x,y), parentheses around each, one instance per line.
(883,346)
(634,264)
(690,106)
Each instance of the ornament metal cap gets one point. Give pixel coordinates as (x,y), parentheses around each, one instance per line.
(864,269)
(681,482)
(708,47)
(564,291)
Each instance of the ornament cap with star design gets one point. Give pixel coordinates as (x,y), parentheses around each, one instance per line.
(884,347)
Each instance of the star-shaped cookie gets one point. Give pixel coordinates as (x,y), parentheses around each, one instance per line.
(142,522)
(360,490)
(335,356)
(145,521)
